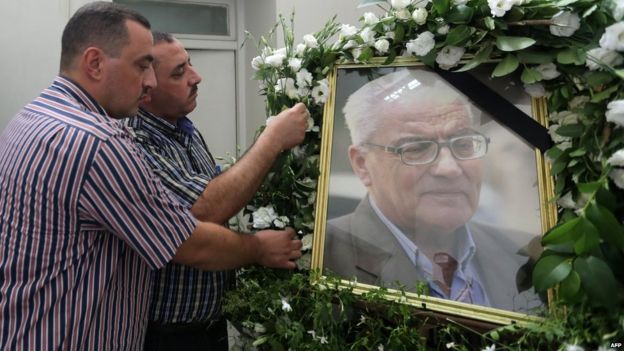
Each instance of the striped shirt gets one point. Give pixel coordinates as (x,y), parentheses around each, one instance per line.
(178,154)
(83,222)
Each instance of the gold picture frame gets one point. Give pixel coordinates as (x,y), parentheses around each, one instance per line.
(514,198)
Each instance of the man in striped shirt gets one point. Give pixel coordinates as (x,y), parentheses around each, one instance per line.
(186,308)
(83,219)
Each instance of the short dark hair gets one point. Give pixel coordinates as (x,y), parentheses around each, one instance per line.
(160,37)
(101,24)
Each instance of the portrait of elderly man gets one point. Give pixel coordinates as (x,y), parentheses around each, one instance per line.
(416,149)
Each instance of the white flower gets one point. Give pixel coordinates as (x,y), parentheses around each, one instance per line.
(380,347)
(617,175)
(548,71)
(420,16)
(303,91)
(259,328)
(566,23)
(286,306)
(370,18)
(450,345)
(275,60)
(264,216)
(535,90)
(294,64)
(281,222)
(566,201)
(420,3)
(578,101)
(347,30)
(323,340)
(459,2)
(257,62)
(313,333)
(298,151)
(449,56)
(498,8)
(287,86)
(443,29)
(300,49)
(368,36)
(617,159)
(490,348)
(310,41)
(400,4)
(350,44)
(390,35)
(615,112)
(304,78)
(421,46)
(382,46)
(564,117)
(306,242)
(356,54)
(613,37)
(617,9)
(319,92)
(402,14)
(598,56)
(311,126)
(569,347)
(552,130)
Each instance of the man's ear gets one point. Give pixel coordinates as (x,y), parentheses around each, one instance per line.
(92,62)
(357,157)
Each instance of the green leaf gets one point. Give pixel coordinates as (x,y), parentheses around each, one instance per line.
(554,152)
(458,35)
(597,279)
(604,94)
(390,57)
(535,57)
(550,270)
(366,3)
(620,73)
(481,56)
(606,199)
(608,226)
(366,54)
(399,33)
(507,65)
(571,56)
(563,3)
(530,75)
(589,11)
(562,233)
(588,239)
(589,187)
(570,287)
(598,78)
(581,151)
(460,14)
(441,6)
(571,130)
(505,43)
(489,23)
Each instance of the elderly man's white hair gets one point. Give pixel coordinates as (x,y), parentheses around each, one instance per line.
(368,105)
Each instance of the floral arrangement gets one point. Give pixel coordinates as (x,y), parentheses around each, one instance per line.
(567,51)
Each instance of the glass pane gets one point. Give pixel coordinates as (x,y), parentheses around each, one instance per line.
(208,19)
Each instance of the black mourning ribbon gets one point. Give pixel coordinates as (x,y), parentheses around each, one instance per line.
(500,109)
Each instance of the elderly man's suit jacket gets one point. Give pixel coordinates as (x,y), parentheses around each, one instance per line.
(360,246)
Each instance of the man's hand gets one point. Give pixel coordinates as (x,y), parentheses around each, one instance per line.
(288,128)
(277,249)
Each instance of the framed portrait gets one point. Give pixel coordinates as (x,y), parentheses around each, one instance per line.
(435,189)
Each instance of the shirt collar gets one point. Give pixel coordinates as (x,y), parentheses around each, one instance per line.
(182,131)
(80,95)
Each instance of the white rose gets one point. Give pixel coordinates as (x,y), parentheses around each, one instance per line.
(535,90)
(347,30)
(390,35)
(350,45)
(304,78)
(287,86)
(300,49)
(382,46)
(564,117)
(420,16)
(400,4)
(613,37)
(368,36)
(259,328)
(402,14)
(420,3)
(498,8)
(566,23)
(421,46)
(615,112)
(310,41)
(294,64)
(280,51)
(617,10)
(286,306)
(617,159)
(617,175)
(356,54)
(306,242)
(275,60)
(281,222)
(566,201)
(263,217)
(578,101)
(442,30)
(257,62)
(370,18)
(556,138)
(573,347)
(449,56)
(598,56)
(548,71)
(320,92)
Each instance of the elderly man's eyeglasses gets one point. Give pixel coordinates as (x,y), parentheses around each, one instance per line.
(422,152)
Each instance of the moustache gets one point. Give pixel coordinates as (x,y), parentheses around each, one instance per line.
(194,90)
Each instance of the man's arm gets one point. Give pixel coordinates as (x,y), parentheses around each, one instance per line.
(226,194)
(213,247)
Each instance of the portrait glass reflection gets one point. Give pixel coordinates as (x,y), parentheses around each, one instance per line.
(424,186)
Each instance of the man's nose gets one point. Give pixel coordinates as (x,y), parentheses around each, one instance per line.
(149,82)
(195,77)
(446,165)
